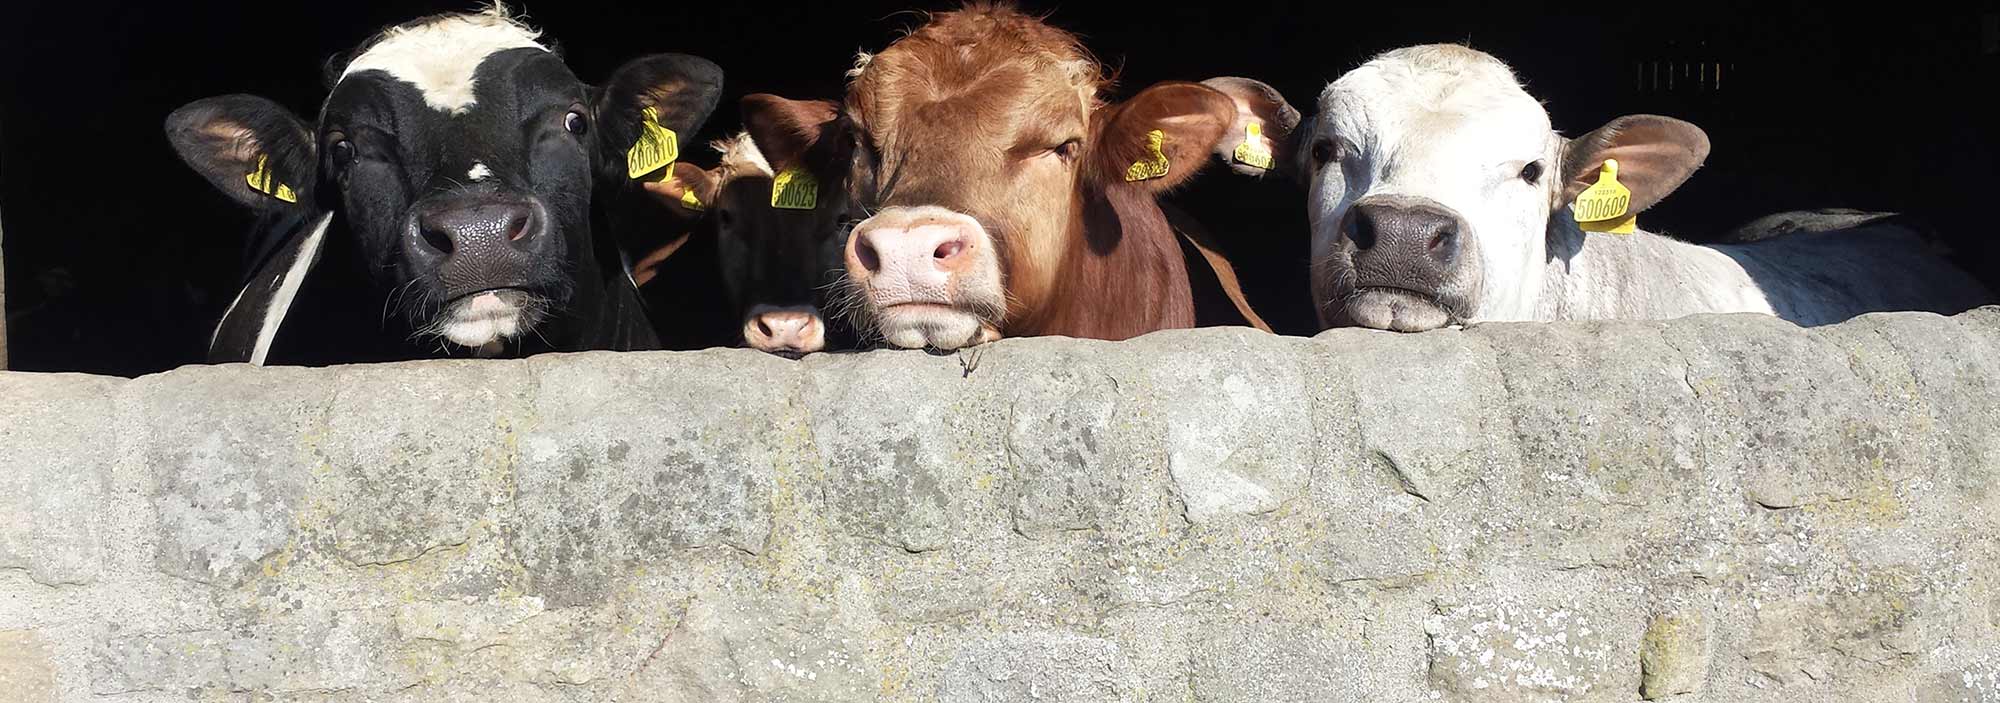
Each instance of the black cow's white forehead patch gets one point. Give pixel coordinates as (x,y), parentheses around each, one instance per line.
(441,56)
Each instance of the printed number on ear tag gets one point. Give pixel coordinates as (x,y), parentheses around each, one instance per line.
(794,189)
(1253,152)
(263,181)
(1606,205)
(1155,164)
(656,149)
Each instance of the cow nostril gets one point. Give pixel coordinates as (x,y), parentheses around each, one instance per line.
(1362,231)
(865,253)
(1443,238)
(517,226)
(438,241)
(764,328)
(949,249)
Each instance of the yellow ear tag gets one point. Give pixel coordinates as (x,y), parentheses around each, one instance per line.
(656,149)
(1156,165)
(1605,206)
(1252,151)
(795,189)
(689,200)
(263,181)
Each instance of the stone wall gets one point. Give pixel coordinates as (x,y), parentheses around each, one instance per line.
(1722,508)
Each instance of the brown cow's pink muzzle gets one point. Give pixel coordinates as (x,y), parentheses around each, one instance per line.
(918,258)
(785,330)
(926,277)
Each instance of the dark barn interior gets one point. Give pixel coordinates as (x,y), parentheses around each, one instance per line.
(119,259)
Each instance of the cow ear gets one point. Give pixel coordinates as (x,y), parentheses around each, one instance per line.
(1161,137)
(1655,155)
(253,150)
(1260,141)
(793,133)
(673,91)
(688,191)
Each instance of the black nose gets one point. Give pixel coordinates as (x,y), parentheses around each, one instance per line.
(1405,227)
(479,244)
(473,227)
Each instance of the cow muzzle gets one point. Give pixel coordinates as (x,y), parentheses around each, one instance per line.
(480,243)
(1405,253)
(488,254)
(925,277)
(788,331)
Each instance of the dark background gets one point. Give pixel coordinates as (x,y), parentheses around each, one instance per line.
(119,259)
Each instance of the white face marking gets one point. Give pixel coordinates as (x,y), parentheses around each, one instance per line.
(440,57)
(1451,125)
(479,172)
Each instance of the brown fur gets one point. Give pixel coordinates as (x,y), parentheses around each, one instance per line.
(963,112)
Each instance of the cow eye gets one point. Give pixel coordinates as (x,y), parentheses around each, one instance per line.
(1324,151)
(1069,149)
(341,150)
(725,218)
(1532,173)
(576,123)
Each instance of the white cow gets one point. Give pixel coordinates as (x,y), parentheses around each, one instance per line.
(1439,194)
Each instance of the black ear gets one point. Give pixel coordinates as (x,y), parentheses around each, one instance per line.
(681,90)
(253,150)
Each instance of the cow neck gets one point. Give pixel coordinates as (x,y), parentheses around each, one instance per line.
(1634,276)
(1124,277)
(603,310)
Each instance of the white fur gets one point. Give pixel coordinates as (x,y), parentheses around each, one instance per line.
(482,320)
(292,279)
(440,56)
(479,172)
(740,157)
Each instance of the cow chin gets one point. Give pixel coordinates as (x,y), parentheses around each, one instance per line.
(1395,309)
(482,320)
(933,327)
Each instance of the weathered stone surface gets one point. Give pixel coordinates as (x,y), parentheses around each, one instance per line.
(1673,655)
(1039,666)
(56,452)
(1520,651)
(27,673)
(1719,508)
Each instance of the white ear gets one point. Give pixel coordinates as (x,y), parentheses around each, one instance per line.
(251,323)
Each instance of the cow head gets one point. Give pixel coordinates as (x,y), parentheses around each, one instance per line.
(976,144)
(1437,190)
(458,152)
(778,259)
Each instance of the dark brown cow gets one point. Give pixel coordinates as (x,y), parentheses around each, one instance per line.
(1007,198)
(777,264)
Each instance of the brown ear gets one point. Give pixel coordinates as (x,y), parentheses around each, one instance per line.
(1190,118)
(1655,155)
(1260,141)
(791,132)
(688,191)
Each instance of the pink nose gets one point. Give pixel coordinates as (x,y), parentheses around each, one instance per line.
(785,331)
(919,257)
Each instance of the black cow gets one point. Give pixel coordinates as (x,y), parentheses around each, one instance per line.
(445,202)
(779,258)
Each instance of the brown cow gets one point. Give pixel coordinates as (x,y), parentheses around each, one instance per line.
(1007,198)
(776,264)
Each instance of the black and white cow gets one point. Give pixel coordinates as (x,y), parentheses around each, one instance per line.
(444,203)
